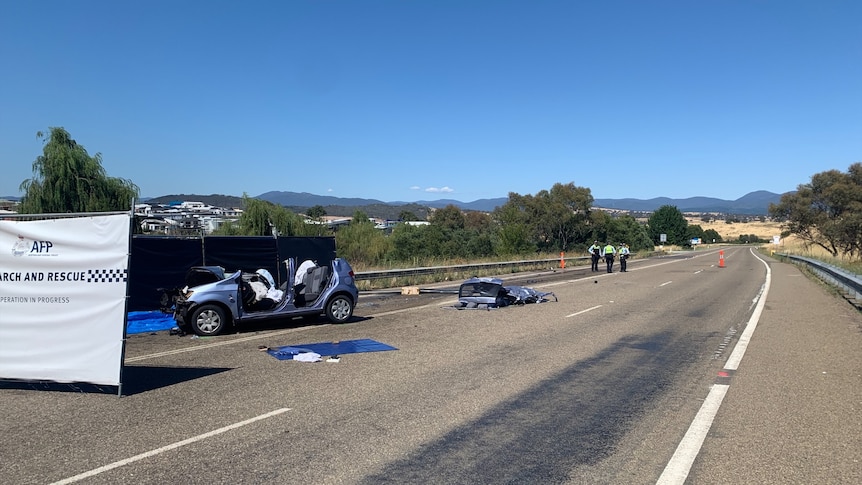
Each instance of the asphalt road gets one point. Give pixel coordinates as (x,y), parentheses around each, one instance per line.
(599,387)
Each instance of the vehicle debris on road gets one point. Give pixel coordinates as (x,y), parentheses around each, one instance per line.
(487,293)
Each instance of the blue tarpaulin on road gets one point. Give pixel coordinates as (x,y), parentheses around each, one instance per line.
(154,321)
(330,348)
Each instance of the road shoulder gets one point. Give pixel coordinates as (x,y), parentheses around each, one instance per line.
(791,414)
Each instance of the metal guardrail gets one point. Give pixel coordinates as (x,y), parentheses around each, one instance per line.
(848,283)
(499,266)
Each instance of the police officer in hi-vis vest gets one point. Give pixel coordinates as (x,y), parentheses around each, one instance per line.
(610,251)
(624,255)
(595,254)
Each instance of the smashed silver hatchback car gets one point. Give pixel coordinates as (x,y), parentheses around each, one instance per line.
(225,300)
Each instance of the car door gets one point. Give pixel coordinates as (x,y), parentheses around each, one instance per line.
(238,307)
(287,286)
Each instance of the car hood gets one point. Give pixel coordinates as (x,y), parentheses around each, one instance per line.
(230,280)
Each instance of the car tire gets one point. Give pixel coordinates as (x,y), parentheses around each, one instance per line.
(339,309)
(208,320)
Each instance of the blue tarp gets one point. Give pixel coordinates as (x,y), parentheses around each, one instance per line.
(143,322)
(330,348)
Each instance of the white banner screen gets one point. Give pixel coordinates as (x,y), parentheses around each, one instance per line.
(62,298)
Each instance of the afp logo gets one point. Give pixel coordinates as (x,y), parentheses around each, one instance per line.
(20,247)
(36,248)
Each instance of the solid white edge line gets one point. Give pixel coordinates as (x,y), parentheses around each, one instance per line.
(170,447)
(677,469)
(740,347)
(584,311)
(680,463)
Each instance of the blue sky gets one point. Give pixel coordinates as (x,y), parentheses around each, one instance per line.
(422,100)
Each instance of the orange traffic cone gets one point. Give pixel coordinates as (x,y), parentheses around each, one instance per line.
(562,260)
(721,259)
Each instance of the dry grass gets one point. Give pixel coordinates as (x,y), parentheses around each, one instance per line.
(763,230)
(731,232)
(788,245)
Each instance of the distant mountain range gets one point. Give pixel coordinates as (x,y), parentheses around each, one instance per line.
(754,203)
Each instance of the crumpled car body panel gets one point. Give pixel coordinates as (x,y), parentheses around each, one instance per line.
(485,293)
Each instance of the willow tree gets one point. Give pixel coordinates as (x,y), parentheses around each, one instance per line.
(263,218)
(67,179)
(360,242)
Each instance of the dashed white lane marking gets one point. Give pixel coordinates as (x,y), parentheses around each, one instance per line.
(393,312)
(170,447)
(603,274)
(584,311)
(677,469)
(665,283)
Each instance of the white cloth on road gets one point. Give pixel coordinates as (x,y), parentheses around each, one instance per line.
(307,357)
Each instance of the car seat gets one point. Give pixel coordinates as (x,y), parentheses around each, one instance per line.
(247,294)
(314,282)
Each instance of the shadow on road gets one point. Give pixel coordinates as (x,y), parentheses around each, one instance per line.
(574,419)
(136,379)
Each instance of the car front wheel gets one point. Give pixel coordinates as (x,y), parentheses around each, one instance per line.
(208,320)
(339,309)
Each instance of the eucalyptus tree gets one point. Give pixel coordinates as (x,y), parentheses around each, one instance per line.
(450,217)
(514,235)
(316,212)
(694,231)
(667,220)
(565,214)
(479,221)
(826,212)
(600,225)
(627,229)
(407,215)
(551,220)
(711,236)
(454,234)
(67,179)
(409,244)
